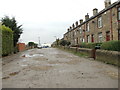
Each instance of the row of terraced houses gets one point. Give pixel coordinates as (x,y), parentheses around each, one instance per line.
(101,27)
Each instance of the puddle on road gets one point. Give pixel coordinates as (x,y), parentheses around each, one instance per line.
(24,65)
(32,55)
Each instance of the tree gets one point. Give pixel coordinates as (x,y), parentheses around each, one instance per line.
(64,43)
(30,43)
(12,24)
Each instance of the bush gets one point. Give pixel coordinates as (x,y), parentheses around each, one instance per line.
(89,45)
(111,45)
(7,40)
(64,43)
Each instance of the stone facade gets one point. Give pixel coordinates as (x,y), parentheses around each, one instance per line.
(101,27)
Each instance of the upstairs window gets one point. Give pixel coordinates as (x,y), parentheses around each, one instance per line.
(99,22)
(87,27)
(75,32)
(119,13)
(80,29)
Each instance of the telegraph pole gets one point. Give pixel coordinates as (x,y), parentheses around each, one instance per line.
(39,41)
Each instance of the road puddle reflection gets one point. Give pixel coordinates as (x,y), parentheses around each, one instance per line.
(24,65)
(32,55)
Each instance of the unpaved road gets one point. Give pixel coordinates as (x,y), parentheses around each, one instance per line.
(53,68)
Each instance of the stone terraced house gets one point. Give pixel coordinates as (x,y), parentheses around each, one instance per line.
(101,27)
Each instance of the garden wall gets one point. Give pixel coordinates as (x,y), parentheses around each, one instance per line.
(109,57)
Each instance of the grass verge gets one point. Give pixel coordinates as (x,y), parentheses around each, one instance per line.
(73,52)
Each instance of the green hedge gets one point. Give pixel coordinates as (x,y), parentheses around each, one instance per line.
(0,41)
(89,45)
(7,40)
(111,45)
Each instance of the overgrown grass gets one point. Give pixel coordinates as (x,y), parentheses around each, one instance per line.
(73,52)
(105,60)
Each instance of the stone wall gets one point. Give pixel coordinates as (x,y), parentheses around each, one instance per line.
(109,57)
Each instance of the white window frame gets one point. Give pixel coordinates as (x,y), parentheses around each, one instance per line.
(88,38)
(83,40)
(80,30)
(119,13)
(100,22)
(100,37)
(88,27)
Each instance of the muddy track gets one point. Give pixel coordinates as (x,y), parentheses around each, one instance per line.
(54,68)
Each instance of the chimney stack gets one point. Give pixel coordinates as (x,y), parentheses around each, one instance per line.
(95,11)
(68,29)
(107,3)
(76,23)
(73,26)
(86,17)
(81,21)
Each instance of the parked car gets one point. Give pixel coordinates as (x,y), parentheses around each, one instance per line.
(45,46)
(39,47)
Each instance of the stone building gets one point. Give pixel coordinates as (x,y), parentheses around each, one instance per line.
(101,27)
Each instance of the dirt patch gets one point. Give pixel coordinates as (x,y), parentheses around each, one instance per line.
(40,58)
(112,74)
(55,62)
(6,77)
(38,68)
(14,73)
(73,62)
(61,55)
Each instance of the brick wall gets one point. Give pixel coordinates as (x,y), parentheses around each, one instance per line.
(108,30)
(21,46)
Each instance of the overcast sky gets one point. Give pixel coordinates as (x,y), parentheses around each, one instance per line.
(47,18)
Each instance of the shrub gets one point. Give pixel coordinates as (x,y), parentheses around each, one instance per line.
(89,45)
(7,40)
(111,45)
(64,43)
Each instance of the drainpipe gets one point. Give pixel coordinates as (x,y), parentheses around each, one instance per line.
(111,24)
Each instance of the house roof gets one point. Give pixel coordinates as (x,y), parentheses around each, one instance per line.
(101,12)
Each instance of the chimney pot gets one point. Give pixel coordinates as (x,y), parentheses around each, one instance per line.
(86,17)
(76,23)
(95,11)
(81,21)
(68,29)
(107,3)
(73,26)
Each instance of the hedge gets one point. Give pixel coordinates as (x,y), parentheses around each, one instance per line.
(7,40)
(111,45)
(89,45)
(0,41)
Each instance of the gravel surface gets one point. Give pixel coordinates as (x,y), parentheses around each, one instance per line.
(53,68)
